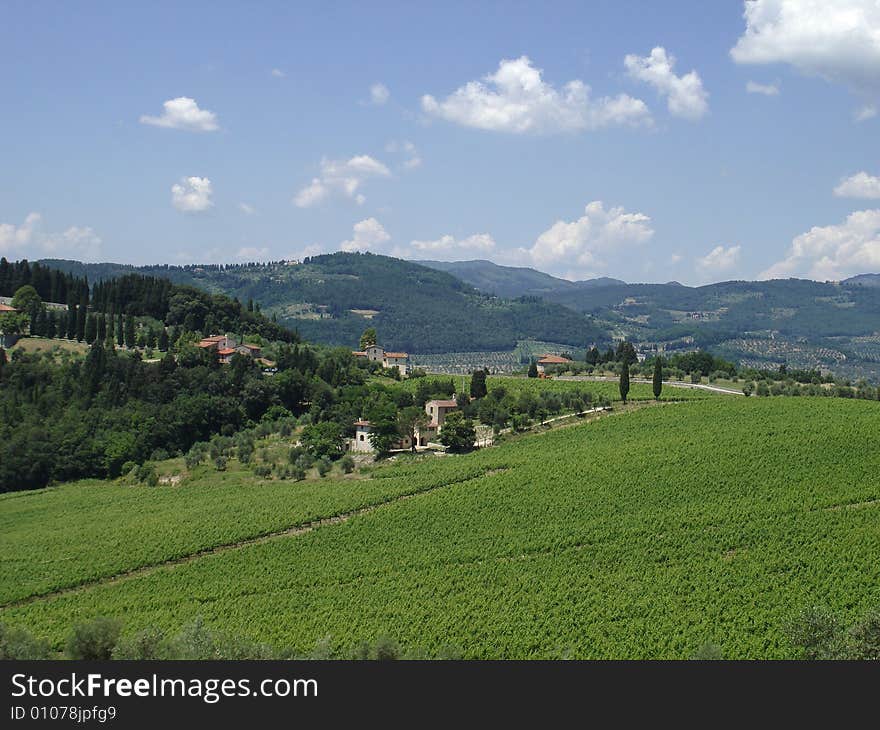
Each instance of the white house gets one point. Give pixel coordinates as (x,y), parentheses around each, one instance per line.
(361,441)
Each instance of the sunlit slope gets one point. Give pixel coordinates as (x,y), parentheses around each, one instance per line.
(640,535)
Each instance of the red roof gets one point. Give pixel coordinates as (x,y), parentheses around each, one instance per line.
(227,351)
(358,353)
(214,338)
(207,344)
(396,354)
(361,423)
(553,360)
(7,308)
(252,347)
(444,403)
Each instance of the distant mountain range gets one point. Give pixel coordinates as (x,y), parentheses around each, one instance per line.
(439,307)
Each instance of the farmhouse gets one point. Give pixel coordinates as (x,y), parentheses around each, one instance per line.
(551,360)
(226,346)
(436,410)
(375,353)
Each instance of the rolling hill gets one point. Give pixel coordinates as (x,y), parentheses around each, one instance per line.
(333,298)
(805,324)
(512,281)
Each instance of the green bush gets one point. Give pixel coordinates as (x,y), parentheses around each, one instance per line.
(94,640)
(324,466)
(146,644)
(20,644)
(347,464)
(146,474)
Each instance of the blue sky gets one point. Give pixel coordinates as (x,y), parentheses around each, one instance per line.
(193,132)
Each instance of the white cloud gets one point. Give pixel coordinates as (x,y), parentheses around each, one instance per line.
(367,234)
(583,246)
(833,252)
(869,111)
(79,242)
(753,87)
(516,99)
(379,94)
(13,237)
(413,159)
(675,258)
(342,177)
(719,259)
(252,253)
(477,244)
(860,185)
(192,194)
(838,40)
(184,113)
(278,73)
(247,209)
(685,95)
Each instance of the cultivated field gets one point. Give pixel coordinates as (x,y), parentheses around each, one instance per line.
(642,534)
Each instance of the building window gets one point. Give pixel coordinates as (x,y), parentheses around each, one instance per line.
(362,437)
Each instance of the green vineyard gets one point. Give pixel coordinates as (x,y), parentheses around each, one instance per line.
(640,535)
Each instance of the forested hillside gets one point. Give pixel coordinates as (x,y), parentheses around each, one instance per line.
(332,298)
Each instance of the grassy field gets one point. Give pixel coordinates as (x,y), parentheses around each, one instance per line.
(642,534)
(43,344)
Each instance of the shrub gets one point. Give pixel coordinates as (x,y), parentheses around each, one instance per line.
(816,633)
(263,470)
(324,466)
(146,474)
(20,644)
(128,467)
(707,652)
(220,463)
(347,464)
(865,637)
(94,640)
(145,644)
(386,649)
(159,455)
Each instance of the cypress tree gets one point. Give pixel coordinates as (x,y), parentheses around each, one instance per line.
(120,336)
(129,331)
(51,328)
(70,331)
(91,329)
(81,323)
(3,361)
(658,377)
(533,370)
(478,384)
(102,328)
(163,340)
(624,381)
